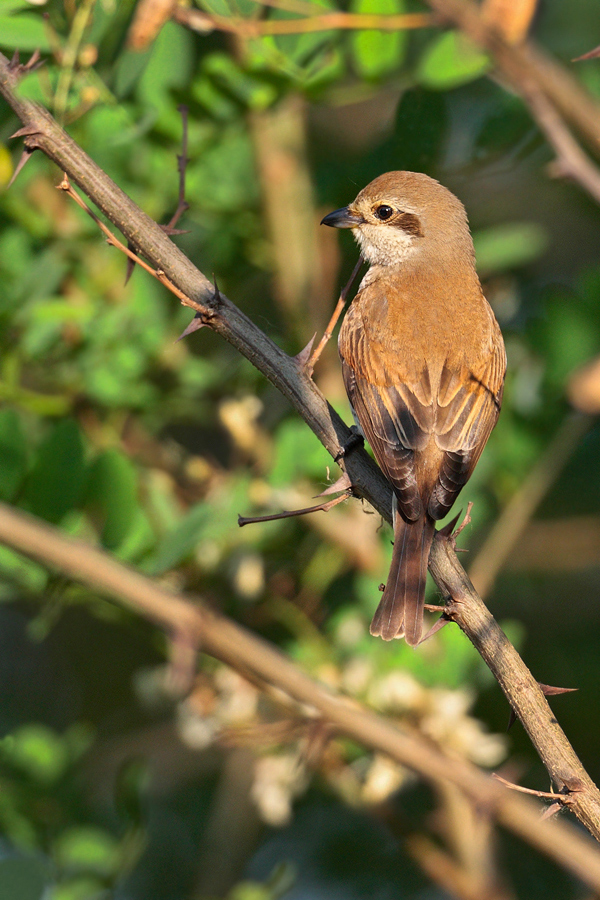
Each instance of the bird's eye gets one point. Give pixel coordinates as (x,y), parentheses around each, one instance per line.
(384,212)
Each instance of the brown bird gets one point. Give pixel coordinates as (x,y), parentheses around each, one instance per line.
(423,363)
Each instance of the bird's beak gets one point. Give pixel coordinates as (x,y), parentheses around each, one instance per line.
(342,218)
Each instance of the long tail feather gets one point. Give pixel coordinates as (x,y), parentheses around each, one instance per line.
(400,612)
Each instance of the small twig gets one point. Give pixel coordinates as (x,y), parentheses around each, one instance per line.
(69,57)
(302,7)
(545,795)
(534,75)
(249,28)
(288,514)
(333,320)
(466,521)
(182,162)
(65,186)
(571,161)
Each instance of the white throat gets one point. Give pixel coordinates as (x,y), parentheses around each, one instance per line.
(384,246)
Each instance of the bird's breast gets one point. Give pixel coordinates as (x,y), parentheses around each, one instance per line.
(399,327)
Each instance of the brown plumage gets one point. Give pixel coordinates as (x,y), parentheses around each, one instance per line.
(423,363)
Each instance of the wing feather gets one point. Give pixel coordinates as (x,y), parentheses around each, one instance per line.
(401,409)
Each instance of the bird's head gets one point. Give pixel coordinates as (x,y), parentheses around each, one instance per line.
(402,214)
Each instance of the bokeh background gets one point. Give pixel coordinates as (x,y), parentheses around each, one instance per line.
(112,784)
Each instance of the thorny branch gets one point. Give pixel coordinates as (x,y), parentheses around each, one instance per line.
(573,785)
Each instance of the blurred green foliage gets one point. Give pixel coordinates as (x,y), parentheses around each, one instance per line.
(149,447)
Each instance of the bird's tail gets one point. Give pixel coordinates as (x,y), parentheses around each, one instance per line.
(400,612)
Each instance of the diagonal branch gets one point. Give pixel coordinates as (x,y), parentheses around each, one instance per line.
(552,94)
(467,609)
(224,639)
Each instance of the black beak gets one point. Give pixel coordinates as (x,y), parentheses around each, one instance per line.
(342,218)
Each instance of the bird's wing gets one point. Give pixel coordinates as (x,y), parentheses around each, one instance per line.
(393,433)
(399,412)
(396,419)
(467,408)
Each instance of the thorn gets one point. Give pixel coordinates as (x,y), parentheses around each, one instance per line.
(441,623)
(195,325)
(217,298)
(549,691)
(174,231)
(551,811)
(25,157)
(448,528)
(342,484)
(591,54)
(302,358)
(25,131)
(33,63)
(129,269)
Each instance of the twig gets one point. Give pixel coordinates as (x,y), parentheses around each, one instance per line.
(182,161)
(222,638)
(333,320)
(465,606)
(571,161)
(546,87)
(289,514)
(249,28)
(69,57)
(112,241)
(543,795)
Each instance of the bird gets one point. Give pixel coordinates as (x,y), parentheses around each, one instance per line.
(423,363)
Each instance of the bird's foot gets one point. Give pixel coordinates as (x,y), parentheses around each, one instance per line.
(355,441)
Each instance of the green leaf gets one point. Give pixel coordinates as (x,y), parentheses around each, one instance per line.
(15,568)
(55,483)
(248,89)
(84,887)
(23,32)
(508,246)
(376,53)
(22,878)
(13,453)
(87,849)
(38,751)
(450,60)
(112,496)
(170,66)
